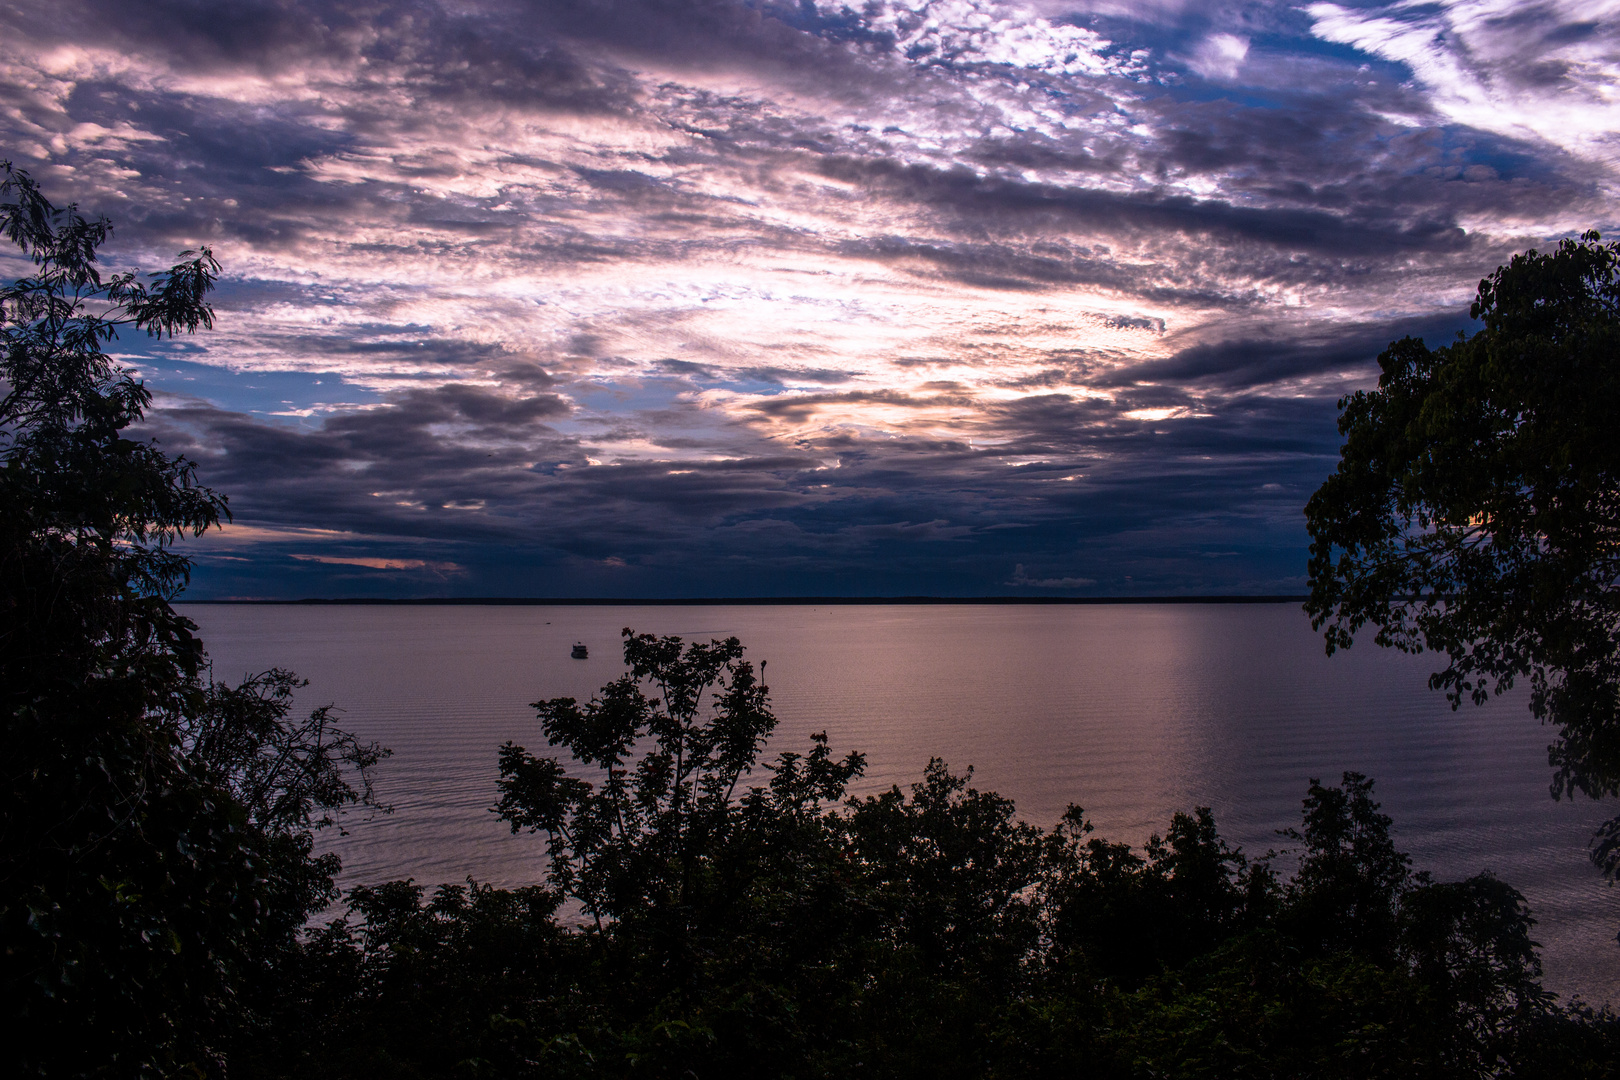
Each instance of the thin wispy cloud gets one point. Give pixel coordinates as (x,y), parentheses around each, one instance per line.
(651,297)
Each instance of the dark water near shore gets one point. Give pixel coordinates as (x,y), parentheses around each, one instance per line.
(1132,711)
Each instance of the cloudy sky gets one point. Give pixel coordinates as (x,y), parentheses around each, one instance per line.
(746,297)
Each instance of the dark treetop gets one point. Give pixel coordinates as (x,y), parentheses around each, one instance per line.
(1476,509)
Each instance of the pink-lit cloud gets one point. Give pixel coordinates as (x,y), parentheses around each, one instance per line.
(374,563)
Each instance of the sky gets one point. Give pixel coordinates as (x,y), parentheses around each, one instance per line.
(665,298)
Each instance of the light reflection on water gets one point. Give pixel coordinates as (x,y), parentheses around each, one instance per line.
(1132,711)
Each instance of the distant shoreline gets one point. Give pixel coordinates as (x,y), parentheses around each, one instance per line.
(758,601)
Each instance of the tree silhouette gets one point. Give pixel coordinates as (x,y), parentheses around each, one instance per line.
(155,847)
(1475,510)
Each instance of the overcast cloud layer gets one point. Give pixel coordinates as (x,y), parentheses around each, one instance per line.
(719,297)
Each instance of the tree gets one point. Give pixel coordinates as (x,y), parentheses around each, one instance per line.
(1355,967)
(954,871)
(154,826)
(1347,891)
(288,778)
(672,838)
(1475,510)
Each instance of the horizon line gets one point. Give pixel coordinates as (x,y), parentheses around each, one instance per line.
(737,601)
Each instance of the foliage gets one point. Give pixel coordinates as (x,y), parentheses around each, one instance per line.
(153,860)
(287,778)
(1347,891)
(767,930)
(1126,917)
(462,977)
(1476,508)
(953,872)
(657,840)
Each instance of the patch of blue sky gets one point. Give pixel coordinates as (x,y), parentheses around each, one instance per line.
(631,394)
(748,385)
(1248,96)
(1511,158)
(302,397)
(1311,45)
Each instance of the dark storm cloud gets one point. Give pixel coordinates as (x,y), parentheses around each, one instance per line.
(487,51)
(1259,361)
(1289,229)
(781,376)
(876,501)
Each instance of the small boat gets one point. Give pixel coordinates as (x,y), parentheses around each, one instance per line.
(580,652)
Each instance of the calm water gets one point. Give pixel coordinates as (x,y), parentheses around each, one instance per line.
(1132,711)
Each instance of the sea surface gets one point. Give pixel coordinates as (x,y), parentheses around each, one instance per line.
(1133,711)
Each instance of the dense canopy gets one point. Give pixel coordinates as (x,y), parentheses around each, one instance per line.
(1476,508)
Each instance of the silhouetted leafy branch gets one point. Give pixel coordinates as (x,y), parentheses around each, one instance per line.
(156,828)
(1475,510)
